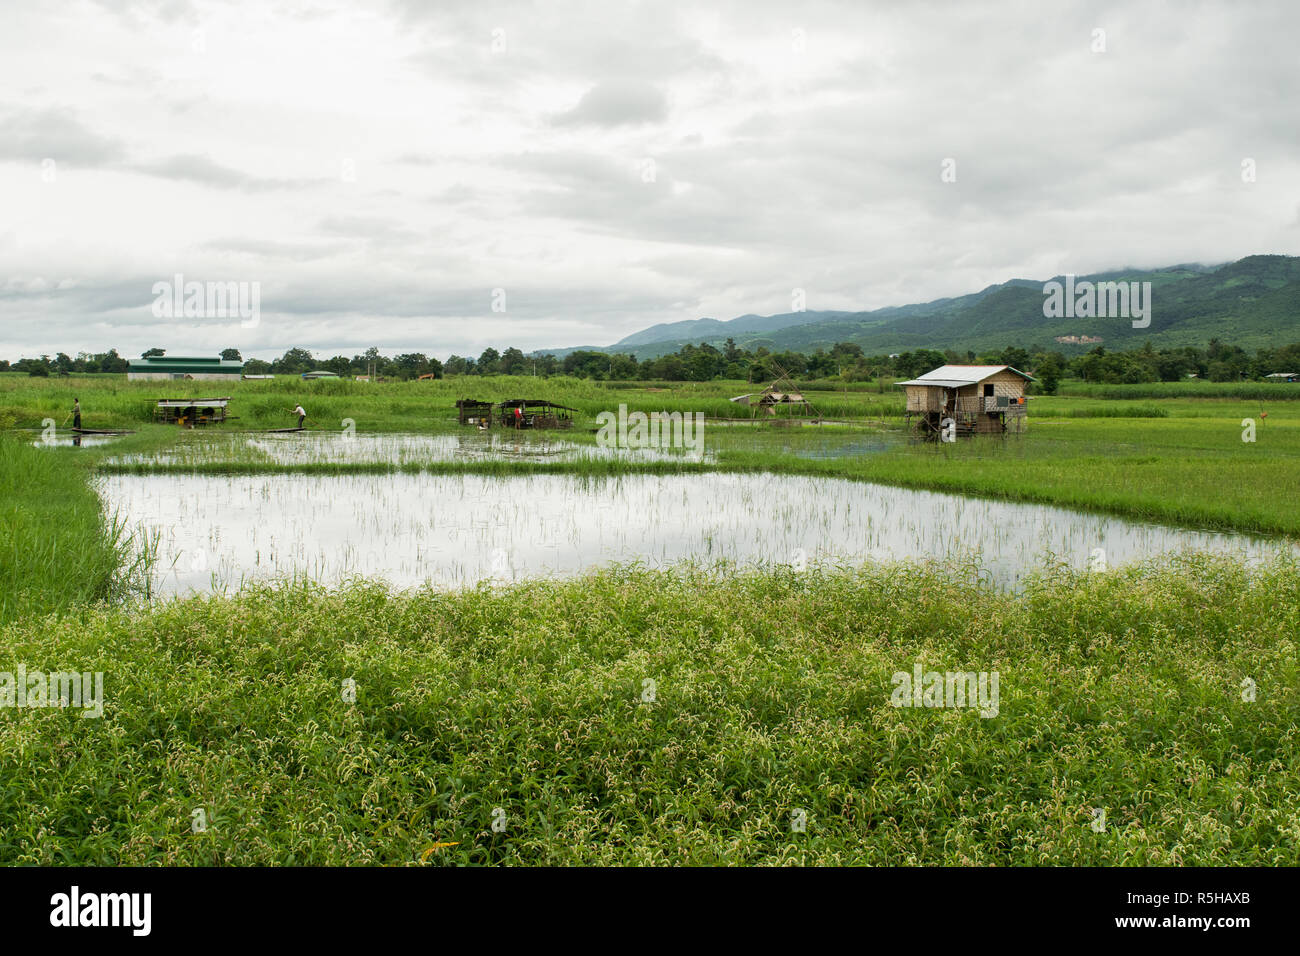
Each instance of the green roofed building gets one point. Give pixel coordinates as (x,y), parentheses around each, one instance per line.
(158,368)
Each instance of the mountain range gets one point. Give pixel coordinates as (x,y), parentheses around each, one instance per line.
(1253,302)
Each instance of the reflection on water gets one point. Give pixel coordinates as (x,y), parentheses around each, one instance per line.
(74,441)
(341,447)
(458,530)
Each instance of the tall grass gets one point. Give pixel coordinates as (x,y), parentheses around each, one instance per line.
(58,549)
(109,401)
(1245,391)
(771,694)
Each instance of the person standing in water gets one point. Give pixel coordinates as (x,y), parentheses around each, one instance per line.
(76,413)
(301,413)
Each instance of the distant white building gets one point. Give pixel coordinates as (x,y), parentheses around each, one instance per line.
(162,368)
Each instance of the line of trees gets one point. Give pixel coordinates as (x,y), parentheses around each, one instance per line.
(62,363)
(371,362)
(844,362)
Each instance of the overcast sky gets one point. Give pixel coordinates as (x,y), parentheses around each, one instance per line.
(381,168)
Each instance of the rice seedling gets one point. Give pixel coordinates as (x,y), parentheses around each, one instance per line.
(457,530)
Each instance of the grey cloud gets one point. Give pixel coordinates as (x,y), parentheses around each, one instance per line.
(617,103)
(203,170)
(367,227)
(522,167)
(276,249)
(58,134)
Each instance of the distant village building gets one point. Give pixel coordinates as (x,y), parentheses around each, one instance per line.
(781,393)
(1283,377)
(978,399)
(159,368)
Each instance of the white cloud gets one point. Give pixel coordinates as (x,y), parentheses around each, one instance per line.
(380,169)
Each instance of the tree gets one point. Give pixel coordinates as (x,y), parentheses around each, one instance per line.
(293,362)
(1049,376)
(586,364)
(623,367)
(411,365)
(513,363)
(1017,358)
(231,355)
(151,353)
(487,362)
(110,361)
(704,365)
(456,365)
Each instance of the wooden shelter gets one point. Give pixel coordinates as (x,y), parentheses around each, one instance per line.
(189,412)
(979,399)
(533,413)
(782,393)
(470,411)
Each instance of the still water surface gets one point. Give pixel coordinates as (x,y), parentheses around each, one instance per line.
(453,530)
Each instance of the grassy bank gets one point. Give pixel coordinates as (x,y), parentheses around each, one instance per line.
(771,694)
(58,550)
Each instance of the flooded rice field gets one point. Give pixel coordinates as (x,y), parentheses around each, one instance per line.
(74,441)
(323,447)
(214,533)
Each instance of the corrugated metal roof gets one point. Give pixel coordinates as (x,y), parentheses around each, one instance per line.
(166,363)
(956,376)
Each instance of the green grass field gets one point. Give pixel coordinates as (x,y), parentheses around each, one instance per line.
(1174,460)
(57,548)
(528,705)
(771,694)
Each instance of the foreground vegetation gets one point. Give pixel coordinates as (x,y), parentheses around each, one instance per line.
(1120,691)
(58,550)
